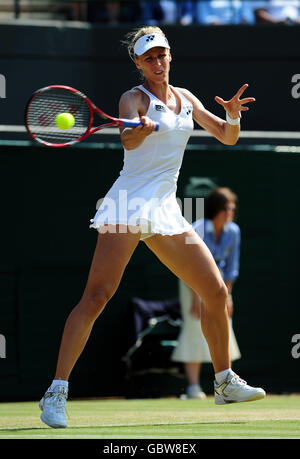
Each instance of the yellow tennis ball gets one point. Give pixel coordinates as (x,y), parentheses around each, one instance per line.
(65,121)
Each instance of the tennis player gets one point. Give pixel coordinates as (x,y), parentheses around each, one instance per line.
(146,209)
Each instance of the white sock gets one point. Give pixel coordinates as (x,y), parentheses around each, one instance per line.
(58,382)
(222,375)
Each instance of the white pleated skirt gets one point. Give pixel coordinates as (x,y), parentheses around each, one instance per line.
(192,346)
(147,203)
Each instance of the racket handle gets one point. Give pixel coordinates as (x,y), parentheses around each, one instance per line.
(133,124)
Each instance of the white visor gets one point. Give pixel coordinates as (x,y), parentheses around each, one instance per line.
(149,41)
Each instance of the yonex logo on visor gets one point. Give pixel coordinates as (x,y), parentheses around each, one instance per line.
(149,41)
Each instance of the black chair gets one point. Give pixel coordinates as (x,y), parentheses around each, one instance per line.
(153,329)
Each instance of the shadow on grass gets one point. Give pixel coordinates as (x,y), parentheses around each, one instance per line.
(208,423)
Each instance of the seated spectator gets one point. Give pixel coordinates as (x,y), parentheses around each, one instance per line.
(110,12)
(151,13)
(131,12)
(278,11)
(186,12)
(169,9)
(218,12)
(159,12)
(100,11)
(248,8)
(78,12)
(271,12)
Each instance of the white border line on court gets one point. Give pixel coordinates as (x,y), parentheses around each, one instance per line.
(196,133)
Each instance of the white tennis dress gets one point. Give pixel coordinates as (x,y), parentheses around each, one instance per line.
(144,195)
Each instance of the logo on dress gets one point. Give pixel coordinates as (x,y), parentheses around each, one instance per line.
(188,109)
(160,108)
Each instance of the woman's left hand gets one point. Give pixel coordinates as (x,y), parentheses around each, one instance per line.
(235,106)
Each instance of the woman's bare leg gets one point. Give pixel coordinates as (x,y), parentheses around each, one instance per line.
(112,253)
(192,371)
(193,263)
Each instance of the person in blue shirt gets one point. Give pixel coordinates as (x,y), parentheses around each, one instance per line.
(270,11)
(222,236)
(278,12)
(218,12)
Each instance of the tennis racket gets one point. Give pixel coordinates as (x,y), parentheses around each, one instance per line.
(47,103)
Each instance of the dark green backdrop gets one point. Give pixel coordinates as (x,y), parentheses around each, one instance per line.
(209,61)
(48,197)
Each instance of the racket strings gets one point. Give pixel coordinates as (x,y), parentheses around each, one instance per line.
(44,108)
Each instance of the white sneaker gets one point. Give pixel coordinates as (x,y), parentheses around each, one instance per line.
(195,391)
(234,390)
(53,406)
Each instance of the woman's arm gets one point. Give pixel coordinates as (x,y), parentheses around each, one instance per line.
(131,107)
(225,132)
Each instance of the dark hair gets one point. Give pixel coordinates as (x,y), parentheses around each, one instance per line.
(217,200)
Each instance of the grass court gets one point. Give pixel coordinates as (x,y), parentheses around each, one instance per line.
(275,417)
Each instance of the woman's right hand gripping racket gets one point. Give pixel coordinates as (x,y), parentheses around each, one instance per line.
(58,116)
